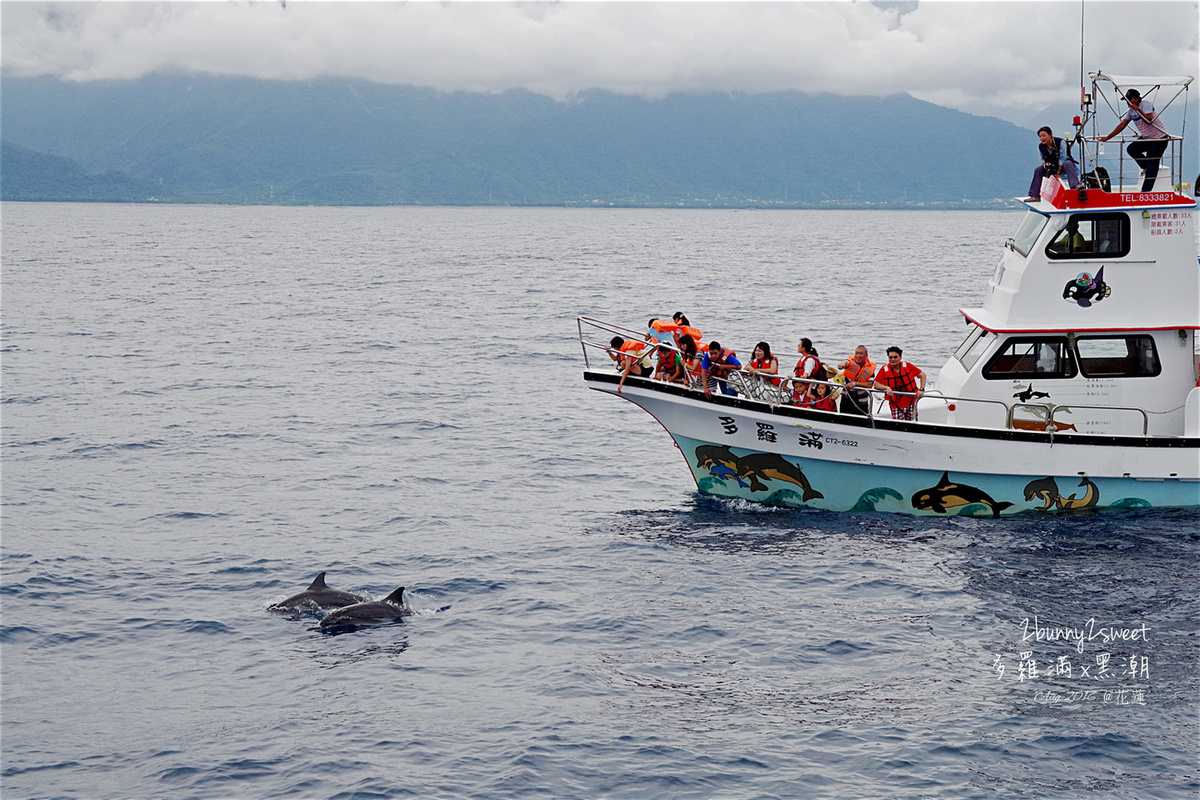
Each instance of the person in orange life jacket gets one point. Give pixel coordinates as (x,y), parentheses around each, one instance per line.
(900,376)
(859,372)
(764,363)
(1056,158)
(660,332)
(715,366)
(1152,140)
(670,366)
(805,368)
(626,353)
(685,328)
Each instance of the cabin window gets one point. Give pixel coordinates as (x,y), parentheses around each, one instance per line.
(972,347)
(1022,359)
(1092,236)
(1028,232)
(1117,356)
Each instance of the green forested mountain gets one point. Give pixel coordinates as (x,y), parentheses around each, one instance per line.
(198,138)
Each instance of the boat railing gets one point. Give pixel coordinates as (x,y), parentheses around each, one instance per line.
(774,390)
(1131,409)
(1123,171)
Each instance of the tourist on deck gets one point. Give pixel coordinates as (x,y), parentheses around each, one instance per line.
(715,365)
(764,363)
(859,373)
(670,366)
(1151,143)
(900,376)
(691,359)
(630,361)
(685,328)
(660,332)
(805,368)
(1056,159)
(818,396)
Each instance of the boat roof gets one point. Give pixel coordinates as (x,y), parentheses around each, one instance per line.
(1143,80)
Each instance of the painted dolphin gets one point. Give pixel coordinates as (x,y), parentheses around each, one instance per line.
(722,472)
(1091,495)
(317,597)
(1044,488)
(776,467)
(948,494)
(389,609)
(708,455)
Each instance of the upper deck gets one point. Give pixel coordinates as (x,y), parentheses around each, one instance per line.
(1106,257)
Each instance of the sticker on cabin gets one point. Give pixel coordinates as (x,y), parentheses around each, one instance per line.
(1087,287)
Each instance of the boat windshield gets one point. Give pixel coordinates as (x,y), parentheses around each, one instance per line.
(972,347)
(1028,232)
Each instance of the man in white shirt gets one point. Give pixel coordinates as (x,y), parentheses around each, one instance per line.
(1148,148)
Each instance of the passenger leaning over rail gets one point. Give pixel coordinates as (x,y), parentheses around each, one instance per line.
(1151,143)
(900,376)
(685,328)
(630,360)
(715,366)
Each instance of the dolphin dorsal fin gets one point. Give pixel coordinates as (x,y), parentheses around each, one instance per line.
(396,597)
(318,582)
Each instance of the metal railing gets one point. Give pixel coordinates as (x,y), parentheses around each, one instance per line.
(774,391)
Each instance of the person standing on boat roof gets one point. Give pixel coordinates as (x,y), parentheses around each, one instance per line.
(1151,143)
(715,366)
(900,376)
(1056,159)
(859,373)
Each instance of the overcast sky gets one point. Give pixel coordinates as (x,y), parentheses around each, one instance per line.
(1004,59)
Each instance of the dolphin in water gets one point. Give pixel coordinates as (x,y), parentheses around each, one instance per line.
(389,609)
(317,597)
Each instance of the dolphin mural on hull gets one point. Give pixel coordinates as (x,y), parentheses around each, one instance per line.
(947,495)
(752,469)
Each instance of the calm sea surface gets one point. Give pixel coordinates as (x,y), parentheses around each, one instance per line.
(203,407)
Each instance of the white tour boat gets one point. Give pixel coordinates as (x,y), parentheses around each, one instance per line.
(1076,387)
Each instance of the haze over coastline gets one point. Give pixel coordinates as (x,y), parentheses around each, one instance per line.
(860,104)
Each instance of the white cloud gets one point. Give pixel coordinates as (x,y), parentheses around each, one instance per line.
(999,58)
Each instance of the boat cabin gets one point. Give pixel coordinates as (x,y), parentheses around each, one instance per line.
(1088,323)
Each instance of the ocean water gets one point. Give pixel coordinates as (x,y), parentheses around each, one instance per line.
(204,407)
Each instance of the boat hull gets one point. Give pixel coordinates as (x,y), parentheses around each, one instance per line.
(793,457)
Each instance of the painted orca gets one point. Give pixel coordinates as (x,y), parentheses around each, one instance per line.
(389,609)
(317,597)
(948,494)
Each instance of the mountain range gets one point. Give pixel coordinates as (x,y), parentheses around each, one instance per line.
(194,138)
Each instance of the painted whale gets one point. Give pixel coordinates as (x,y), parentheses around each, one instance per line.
(317,597)
(948,494)
(389,609)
